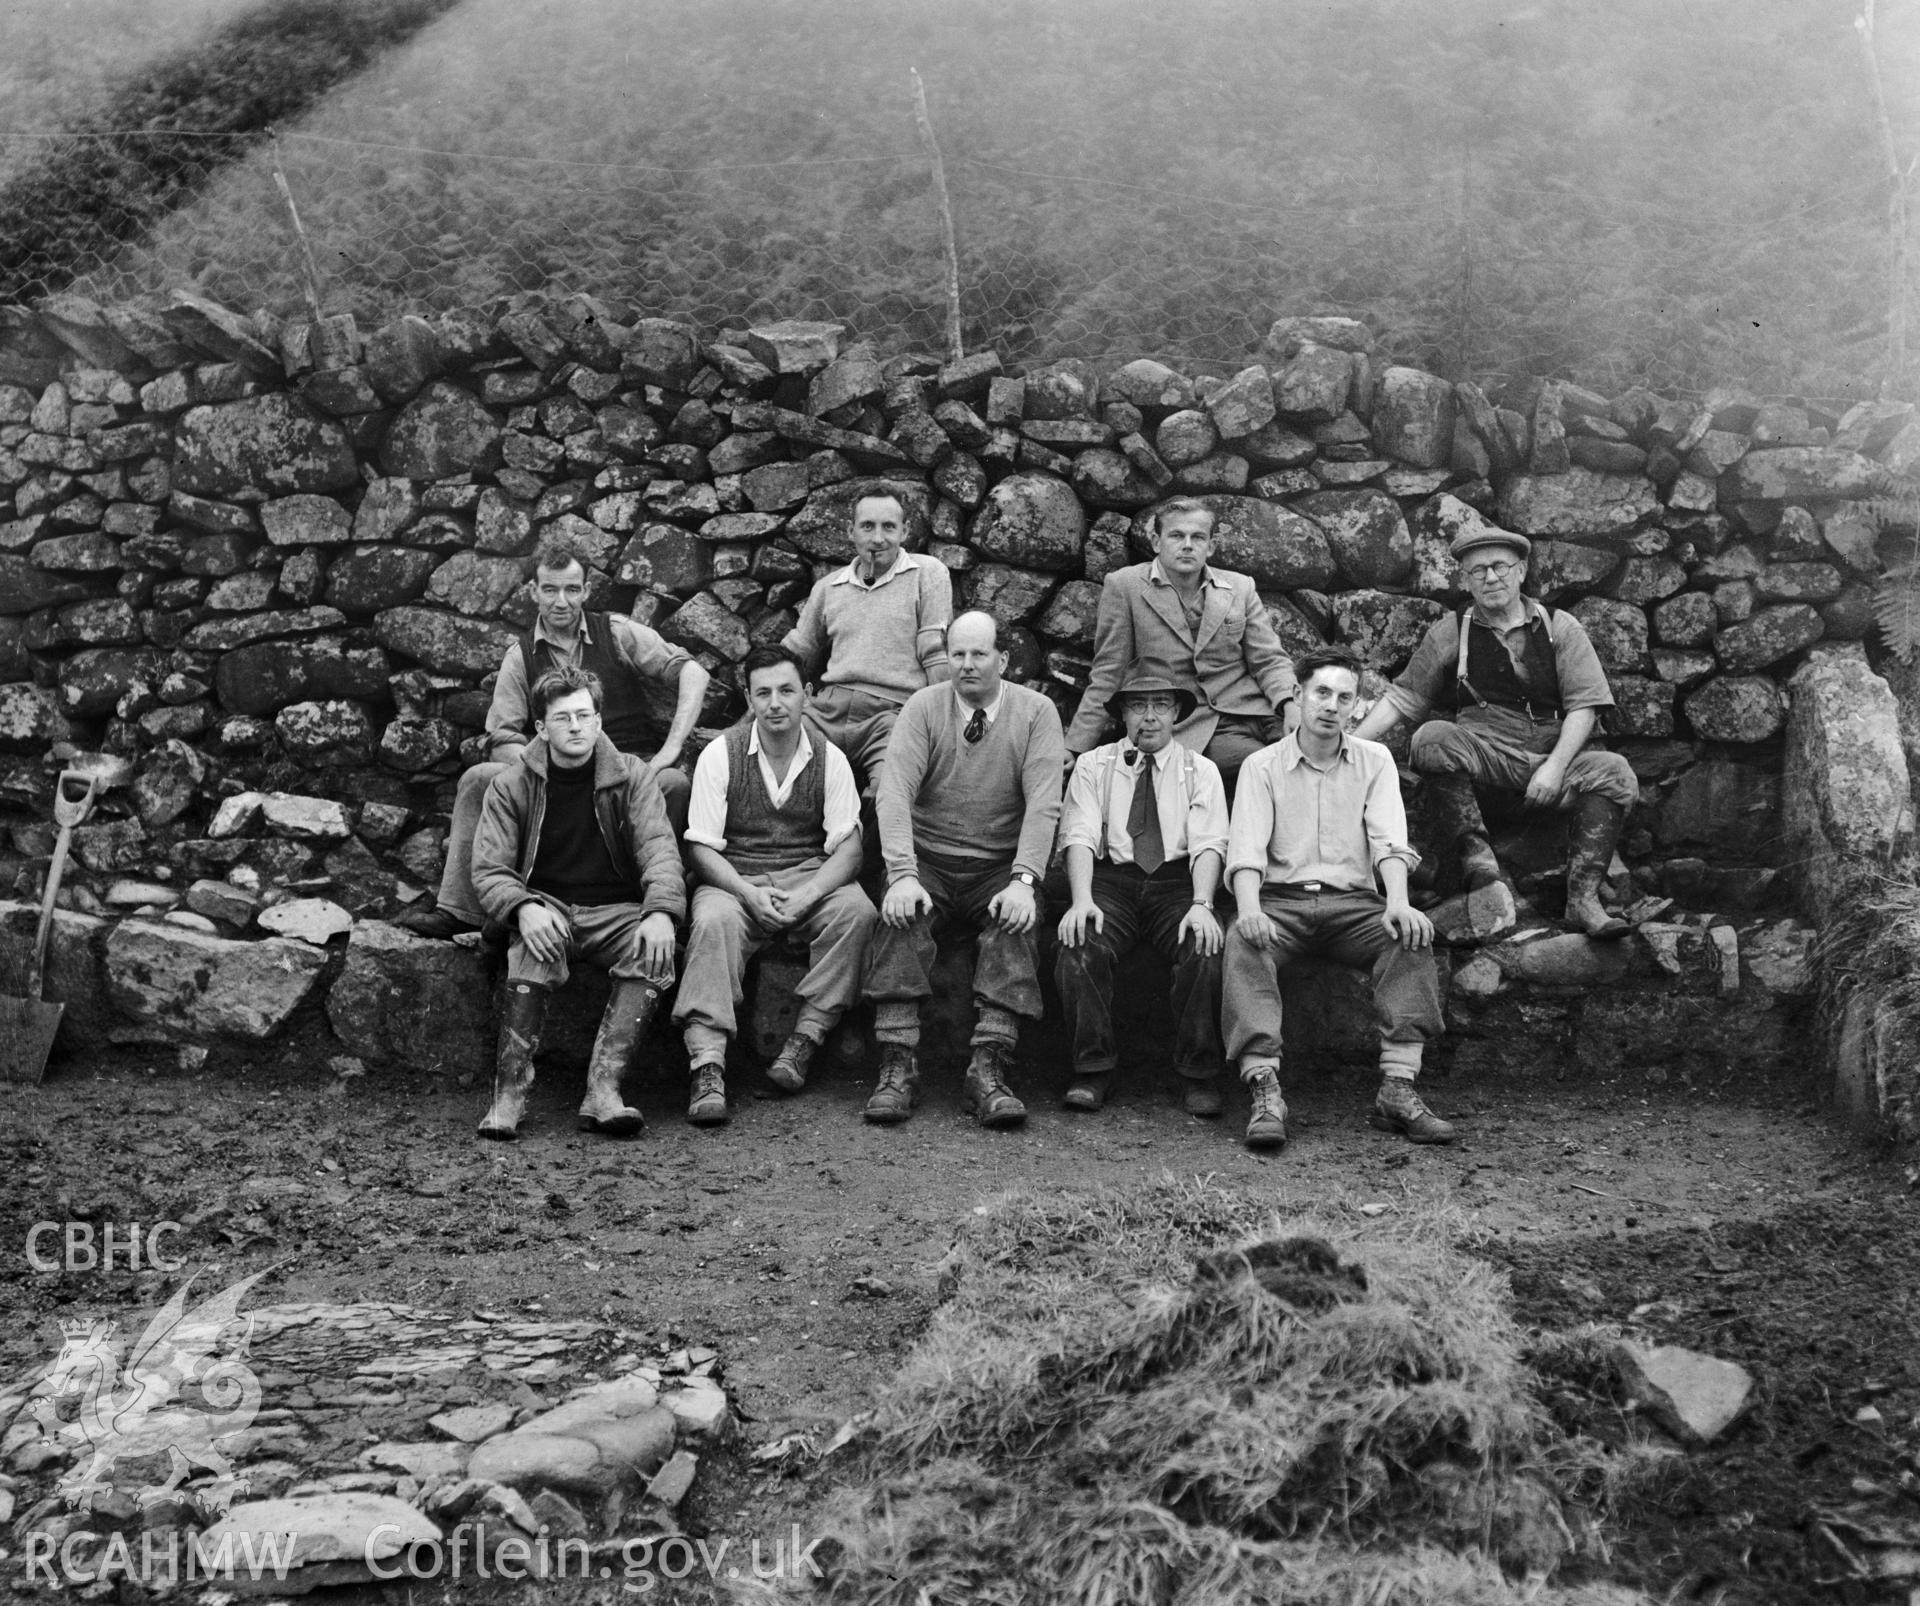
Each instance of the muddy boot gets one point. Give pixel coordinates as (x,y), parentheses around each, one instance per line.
(1459,828)
(898,1089)
(629,1007)
(1268,1127)
(707,1101)
(1398,1108)
(984,1094)
(1596,827)
(788,1072)
(520,1018)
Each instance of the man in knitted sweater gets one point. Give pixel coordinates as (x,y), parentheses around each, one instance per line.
(773,831)
(574,857)
(873,634)
(968,803)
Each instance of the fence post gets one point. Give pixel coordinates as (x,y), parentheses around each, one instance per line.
(310,266)
(955,351)
(1897,227)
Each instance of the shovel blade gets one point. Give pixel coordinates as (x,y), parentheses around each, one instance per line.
(27,1026)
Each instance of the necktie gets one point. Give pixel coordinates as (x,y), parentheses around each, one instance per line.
(1143,821)
(976,727)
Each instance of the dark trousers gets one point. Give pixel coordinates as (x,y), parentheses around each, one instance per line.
(1139,907)
(1006,973)
(1344,926)
(1236,738)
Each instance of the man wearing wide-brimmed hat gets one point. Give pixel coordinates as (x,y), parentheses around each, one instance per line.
(1521,692)
(1144,830)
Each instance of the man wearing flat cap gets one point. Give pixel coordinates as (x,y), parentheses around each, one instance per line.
(1144,830)
(1520,692)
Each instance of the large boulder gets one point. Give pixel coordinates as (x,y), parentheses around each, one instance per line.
(1579,502)
(1846,804)
(407,1000)
(474,584)
(1382,628)
(1770,635)
(185,982)
(1279,548)
(1800,474)
(1735,708)
(823,527)
(266,677)
(1413,414)
(1618,631)
(444,641)
(368,579)
(273,445)
(1366,534)
(1033,521)
(442,432)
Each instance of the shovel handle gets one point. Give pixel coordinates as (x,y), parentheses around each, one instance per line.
(68,812)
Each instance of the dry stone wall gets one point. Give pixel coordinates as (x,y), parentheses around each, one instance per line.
(246,563)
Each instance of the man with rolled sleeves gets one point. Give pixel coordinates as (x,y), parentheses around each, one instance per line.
(1209,626)
(1521,692)
(638,672)
(773,832)
(1144,831)
(573,857)
(1317,856)
(969,800)
(872,634)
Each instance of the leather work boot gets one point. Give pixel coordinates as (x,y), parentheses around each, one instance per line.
(707,1104)
(1458,824)
(984,1094)
(431,920)
(1398,1108)
(629,1007)
(788,1072)
(1268,1127)
(1087,1092)
(524,1009)
(898,1089)
(1203,1098)
(1596,827)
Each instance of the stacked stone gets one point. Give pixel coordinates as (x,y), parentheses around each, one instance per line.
(241,555)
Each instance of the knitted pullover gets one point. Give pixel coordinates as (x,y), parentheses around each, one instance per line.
(997,798)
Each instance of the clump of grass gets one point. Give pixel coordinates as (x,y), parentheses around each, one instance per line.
(1110,1408)
(1868,965)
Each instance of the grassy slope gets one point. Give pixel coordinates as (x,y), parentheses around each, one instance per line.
(1674,195)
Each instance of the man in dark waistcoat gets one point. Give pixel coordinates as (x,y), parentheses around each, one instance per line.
(648,686)
(773,831)
(1525,691)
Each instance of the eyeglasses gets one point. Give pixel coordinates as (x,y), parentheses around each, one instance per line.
(1489,571)
(1153,705)
(572,720)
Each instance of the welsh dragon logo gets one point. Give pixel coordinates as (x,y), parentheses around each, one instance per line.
(146,1405)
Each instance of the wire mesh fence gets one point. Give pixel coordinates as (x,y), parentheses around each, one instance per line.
(1482,278)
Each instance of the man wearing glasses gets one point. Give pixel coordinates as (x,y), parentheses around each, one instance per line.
(574,857)
(968,802)
(1144,830)
(642,676)
(1525,692)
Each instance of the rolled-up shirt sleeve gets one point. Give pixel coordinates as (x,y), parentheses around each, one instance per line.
(1413,694)
(1207,821)
(840,806)
(707,801)
(1583,683)
(1080,814)
(1385,813)
(1250,831)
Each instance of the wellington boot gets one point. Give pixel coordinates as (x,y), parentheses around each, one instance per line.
(1460,830)
(629,1007)
(1596,827)
(524,1010)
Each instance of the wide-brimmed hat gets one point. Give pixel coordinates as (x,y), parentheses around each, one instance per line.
(1488,535)
(1147,675)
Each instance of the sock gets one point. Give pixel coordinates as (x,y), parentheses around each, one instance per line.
(1400,1062)
(897,1021)
(992,1024)
(1252,1064)
(814,1023)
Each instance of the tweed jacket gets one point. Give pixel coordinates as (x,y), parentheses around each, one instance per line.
(1234,663)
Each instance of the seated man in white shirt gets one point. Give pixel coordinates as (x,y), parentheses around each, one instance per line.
(773,832)
(1144,829)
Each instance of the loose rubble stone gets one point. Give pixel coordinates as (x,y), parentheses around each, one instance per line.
(795,346)
(303,819)
(1413,417)
(1694,1397)
(408,1000)
(1313,384)
(1243,403)
(1570,960)
(1149,384)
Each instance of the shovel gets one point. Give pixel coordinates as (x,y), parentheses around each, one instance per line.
(27,1024)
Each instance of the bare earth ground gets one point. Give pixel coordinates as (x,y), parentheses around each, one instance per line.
(802,1244)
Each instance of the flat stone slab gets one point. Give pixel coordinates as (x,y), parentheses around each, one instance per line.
(473,1424)
(199,986)
(316,1539)
(312,920)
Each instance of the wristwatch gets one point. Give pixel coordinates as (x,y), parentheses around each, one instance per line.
(1024,877)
